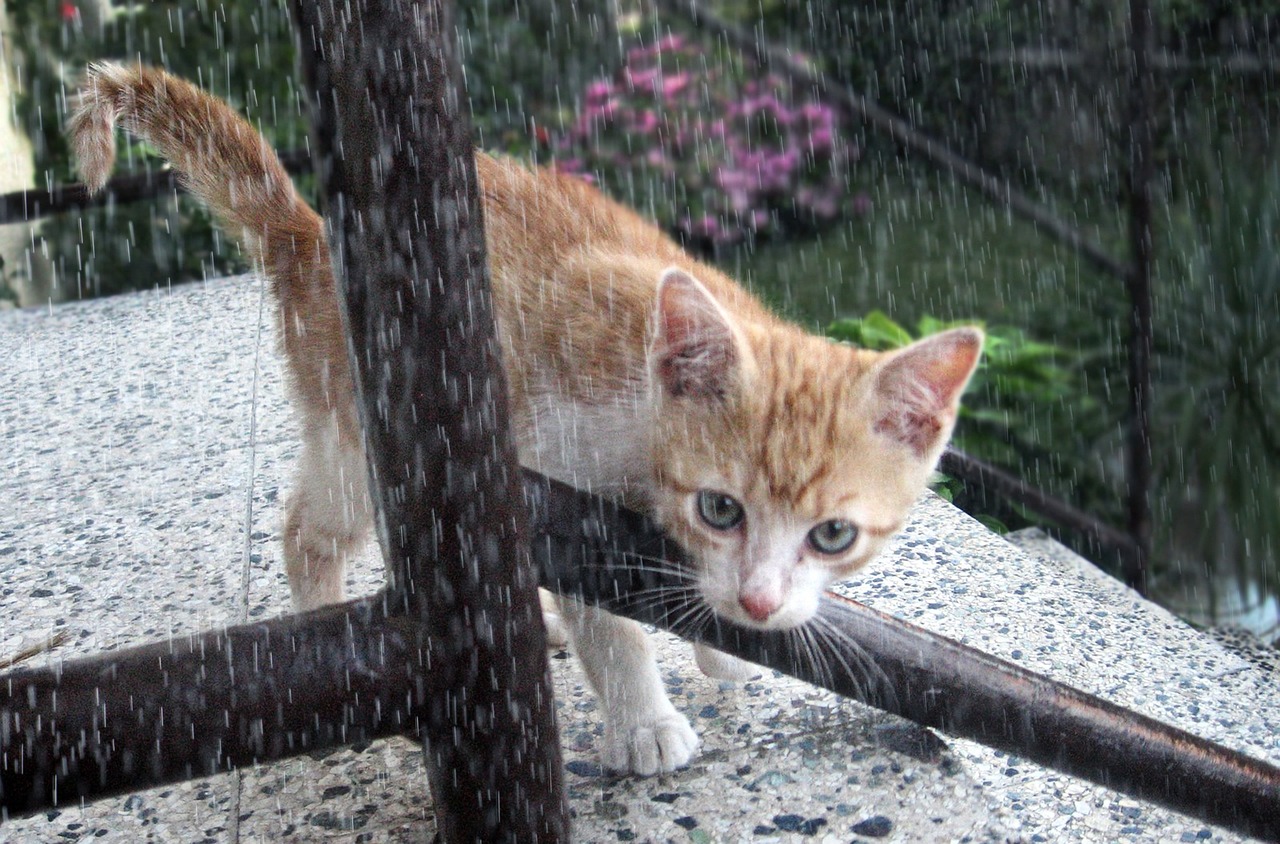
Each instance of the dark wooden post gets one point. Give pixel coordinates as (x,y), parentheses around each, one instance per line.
(398,173)
(1138,445)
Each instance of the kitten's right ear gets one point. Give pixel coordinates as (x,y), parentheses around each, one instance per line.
(694,352)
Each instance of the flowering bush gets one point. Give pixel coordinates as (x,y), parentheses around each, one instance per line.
(736,157)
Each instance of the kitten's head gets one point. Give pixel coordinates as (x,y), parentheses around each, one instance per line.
(785,461)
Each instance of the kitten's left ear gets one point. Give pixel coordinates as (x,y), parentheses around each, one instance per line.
(694,351)
(919,388)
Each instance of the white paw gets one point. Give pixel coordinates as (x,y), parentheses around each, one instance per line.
(652,747)
(557,627)
(557,630)
(722,666)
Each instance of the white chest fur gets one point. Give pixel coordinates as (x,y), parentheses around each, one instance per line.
(602,446)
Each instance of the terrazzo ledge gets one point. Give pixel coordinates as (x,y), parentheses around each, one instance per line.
(144,445)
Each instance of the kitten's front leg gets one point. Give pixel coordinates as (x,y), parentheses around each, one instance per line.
(723,666)
(643,732)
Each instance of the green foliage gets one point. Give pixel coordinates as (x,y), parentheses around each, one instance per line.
(953,490)
(241,50)
(1218,371)
(876,330)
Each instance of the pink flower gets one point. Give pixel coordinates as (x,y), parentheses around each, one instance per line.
(668,43)
(706,226)
(673,85)
(728,179)
(784,163)
(748,148)
(638,80)
(825,207)
(645,123)
(595,118)
(575,168)
(657,158)
(740,201)
(598,91)
(821,140)
(603,111)
(817,113)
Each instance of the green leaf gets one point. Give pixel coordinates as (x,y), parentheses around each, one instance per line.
(889,334)
(874,331)
(992,524)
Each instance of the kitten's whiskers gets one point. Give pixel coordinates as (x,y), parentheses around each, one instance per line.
(867,677)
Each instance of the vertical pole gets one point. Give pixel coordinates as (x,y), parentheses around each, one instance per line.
(1139,287)
(398,175)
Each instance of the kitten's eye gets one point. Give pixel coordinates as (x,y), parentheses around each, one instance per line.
(720,511)
(833,537)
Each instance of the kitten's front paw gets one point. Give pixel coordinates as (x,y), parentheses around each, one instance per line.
(557,628)
(722,666)
(651,747)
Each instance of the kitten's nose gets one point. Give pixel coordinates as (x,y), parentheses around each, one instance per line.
(759,605)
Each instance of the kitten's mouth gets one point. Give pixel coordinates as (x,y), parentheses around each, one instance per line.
(783,618)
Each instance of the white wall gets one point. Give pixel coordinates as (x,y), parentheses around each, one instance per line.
(27,272)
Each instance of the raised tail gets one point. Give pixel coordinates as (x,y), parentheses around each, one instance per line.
(219,158)
(225,162)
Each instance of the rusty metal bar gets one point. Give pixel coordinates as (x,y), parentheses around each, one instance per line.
(189,707)
(203,704)
(1000,482)
(397,172)
(940,683)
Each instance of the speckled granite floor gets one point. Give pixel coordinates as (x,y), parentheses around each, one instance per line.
(144,444)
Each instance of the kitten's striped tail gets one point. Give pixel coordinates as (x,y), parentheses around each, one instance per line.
(219,157)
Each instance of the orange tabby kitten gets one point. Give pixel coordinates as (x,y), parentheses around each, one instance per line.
(779,460)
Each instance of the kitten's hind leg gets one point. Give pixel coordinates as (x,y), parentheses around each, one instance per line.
(643,732)
(327,518)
